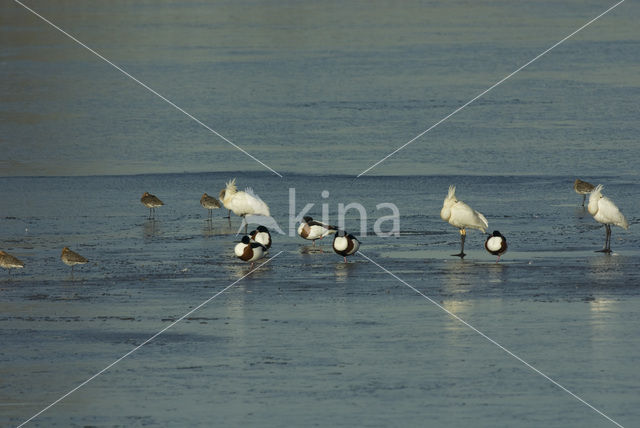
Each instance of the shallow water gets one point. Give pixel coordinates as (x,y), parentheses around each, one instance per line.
(308,340)
(319,92)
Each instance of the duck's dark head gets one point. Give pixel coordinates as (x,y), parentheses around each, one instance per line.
(246,239)
(263,229)
(307,219)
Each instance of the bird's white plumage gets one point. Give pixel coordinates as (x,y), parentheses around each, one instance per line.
(604,210)
(239,249)
(262,238)
(461,215)
(494,243)
(315,231)
(340,243)
(243,202)
(257,251)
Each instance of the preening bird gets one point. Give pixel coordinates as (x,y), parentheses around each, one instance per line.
(71,258)
(249,250)
(262,236)
(345,244)
(151,201)
(244,202)
(9,262)
(210,203)
(462,216)
(496,244)
(312,230)
(583,188)
(606,212)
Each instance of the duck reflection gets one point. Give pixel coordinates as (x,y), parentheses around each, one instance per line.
(308,249)
(343,270)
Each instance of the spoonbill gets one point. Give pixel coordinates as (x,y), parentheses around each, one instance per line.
(249,250)
(312,230)
(262,236)
(606,212)
(244,202)
(345,244)
(583,188)
(9,262)
(151,201)
(462,216)
(496,244)
(210,203)
(71,258)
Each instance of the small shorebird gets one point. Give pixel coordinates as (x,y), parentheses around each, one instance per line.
(583,188)
(606,212)
(9,262)
(71,258)
(243,203)
(312,230)
(462,216)
(496,244)
(345,244)
(151,201)
(210,203)
(249,250)
(262,236)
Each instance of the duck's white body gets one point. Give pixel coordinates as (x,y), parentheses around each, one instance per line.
(496,244)
(261,236)
(313,230)
(243,202)
(345,244)
(249,250)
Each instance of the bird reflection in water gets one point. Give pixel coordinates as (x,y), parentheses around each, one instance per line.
(343,270)
(309,249)
(151,228)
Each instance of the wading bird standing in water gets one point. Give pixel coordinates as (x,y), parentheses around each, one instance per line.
(243,203)
(151,201)
(462,216)
(71,258)
(210,203)
(583,188)
(606,212)
(9,262)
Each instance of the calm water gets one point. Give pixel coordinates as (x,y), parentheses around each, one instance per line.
(319,92)
(340,85)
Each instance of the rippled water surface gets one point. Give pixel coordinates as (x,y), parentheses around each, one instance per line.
(307,339)
(319,92)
